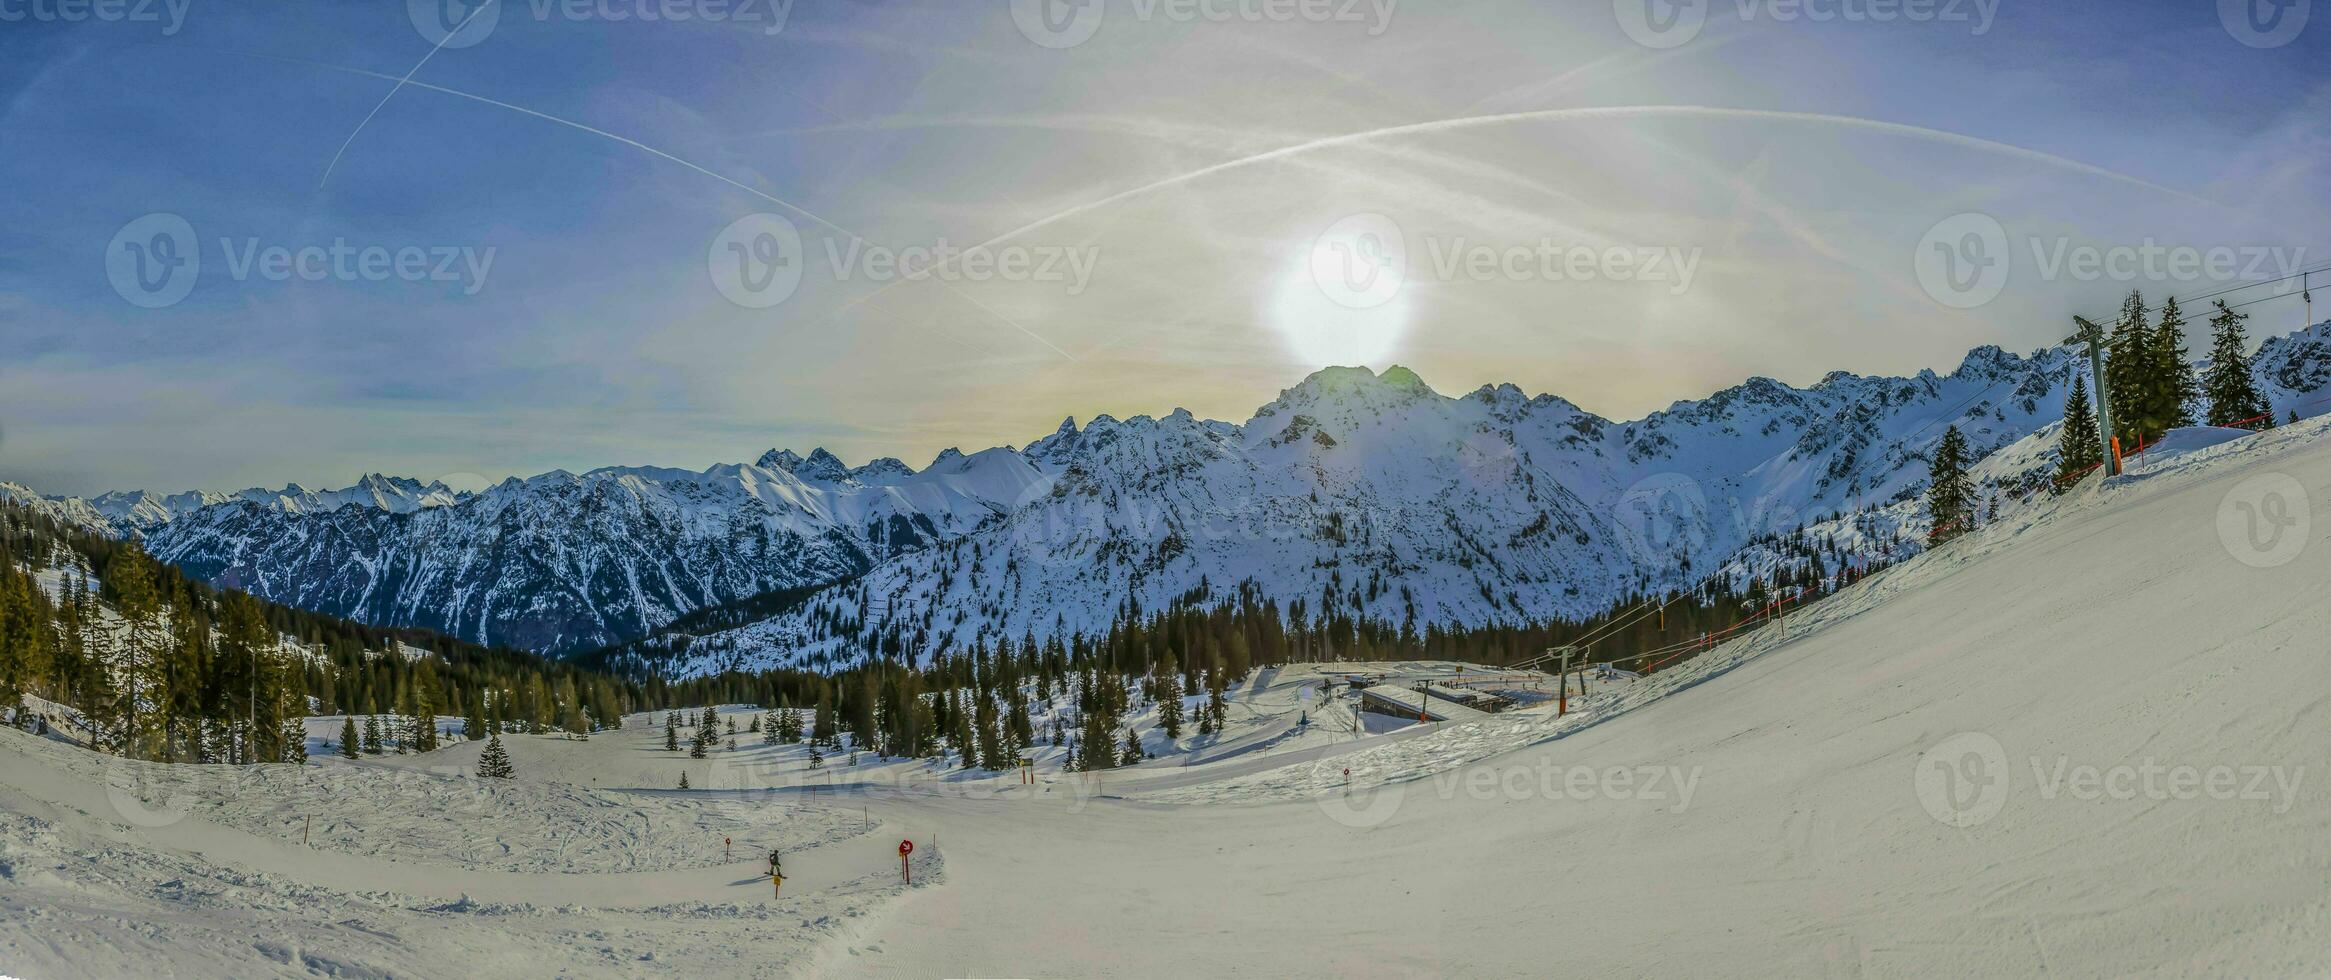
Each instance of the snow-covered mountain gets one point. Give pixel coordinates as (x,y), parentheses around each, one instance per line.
(563,562)
(2293,369)
(1352,490)
(134,512)
(1369,492)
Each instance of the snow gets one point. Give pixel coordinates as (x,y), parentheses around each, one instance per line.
(116,867)
(2113,628)
(2001,757)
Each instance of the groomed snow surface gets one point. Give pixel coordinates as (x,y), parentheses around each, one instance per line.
(2081,742)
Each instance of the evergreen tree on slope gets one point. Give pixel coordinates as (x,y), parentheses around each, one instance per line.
(494,762)
(2174,384)
(1950,498)
(2081,448)
(2232,393)
(2128,356)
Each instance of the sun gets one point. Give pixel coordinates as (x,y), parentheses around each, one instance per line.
(1344,301)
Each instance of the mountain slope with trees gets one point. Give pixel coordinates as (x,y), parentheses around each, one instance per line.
(157,664)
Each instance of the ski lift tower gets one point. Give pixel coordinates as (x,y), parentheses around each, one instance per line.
(2093,335)
(1563,679)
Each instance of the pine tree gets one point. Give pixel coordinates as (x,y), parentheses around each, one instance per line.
(683,779)
(295,742)
(372,735)
(1133,752)
(1019,729)
(348,737)
(1949,497)
(2175,387)
(826,728)
(990,740)
(966,741)
(817,759)
(671,733)
(2081,448)
(424,735)
(494,761)
(2127,357)
(1169,698)
(1216,705)
(2232,393)
(140,663)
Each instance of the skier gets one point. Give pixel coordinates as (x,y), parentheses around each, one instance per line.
(776,865)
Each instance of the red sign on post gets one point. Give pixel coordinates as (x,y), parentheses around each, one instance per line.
(905,847)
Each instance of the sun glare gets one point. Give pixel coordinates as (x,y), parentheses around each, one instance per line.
(1345,301)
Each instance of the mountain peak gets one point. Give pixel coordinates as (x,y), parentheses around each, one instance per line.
(1988,361)
(822,465)
(1337,384)
(1057,446)
(883,469)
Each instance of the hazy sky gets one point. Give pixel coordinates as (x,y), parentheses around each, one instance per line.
(1204,201)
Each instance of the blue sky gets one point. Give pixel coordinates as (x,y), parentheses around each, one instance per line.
(600,163)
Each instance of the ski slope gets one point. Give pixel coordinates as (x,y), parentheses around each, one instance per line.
(2114,628)
(2077,742)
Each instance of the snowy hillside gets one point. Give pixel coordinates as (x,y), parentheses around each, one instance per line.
(2078,742)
